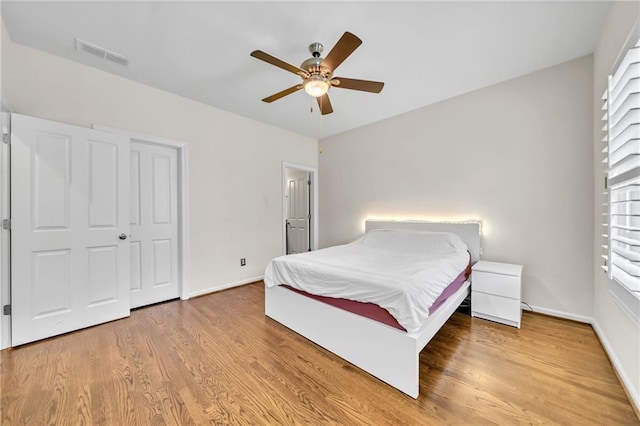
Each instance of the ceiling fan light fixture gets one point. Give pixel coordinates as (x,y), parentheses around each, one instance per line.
(316,86)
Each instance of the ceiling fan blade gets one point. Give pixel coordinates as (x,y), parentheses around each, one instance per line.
(343,48)
(325,104)
(362,85)
(282,94)
(259,54)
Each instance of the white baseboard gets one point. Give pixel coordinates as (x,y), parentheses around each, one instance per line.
(634,394)
(225,286)
(560,314)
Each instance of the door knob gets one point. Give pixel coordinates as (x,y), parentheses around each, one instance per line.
(123,236)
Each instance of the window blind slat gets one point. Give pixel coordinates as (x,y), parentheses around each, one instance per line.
(630,282)
(631,228)
(628,106)
(627,69)
(631,132)
(628,119)
(621,220)
(625,194)
(625,84)
(625,233)
(626,90)
(625,169)
(629,208)
(630,267)
(627,148)
(626,250)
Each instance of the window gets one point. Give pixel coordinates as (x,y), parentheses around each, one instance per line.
(621,137)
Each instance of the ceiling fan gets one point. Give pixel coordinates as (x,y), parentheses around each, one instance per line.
(317,72)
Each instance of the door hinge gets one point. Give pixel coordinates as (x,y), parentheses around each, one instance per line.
(6,224)
(5,138)
(6,310)
(309,182)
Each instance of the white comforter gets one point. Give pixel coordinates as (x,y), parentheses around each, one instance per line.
(404,272)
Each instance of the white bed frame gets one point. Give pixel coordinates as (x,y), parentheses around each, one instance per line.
(387,353)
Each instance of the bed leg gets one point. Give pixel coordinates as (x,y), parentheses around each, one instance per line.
(411,383)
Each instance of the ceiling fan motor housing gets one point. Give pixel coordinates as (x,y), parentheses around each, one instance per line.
(314,65)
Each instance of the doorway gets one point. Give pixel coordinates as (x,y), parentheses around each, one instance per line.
(298,223)
(300,208)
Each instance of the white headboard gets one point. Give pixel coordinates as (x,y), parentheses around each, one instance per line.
(468,231)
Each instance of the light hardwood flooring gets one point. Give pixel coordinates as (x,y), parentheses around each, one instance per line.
(218,359)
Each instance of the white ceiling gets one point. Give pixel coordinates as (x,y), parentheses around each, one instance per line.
(423,51)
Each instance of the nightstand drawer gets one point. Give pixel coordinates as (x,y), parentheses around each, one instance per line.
(496,306)
(500,285)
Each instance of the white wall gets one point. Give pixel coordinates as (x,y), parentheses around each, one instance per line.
(235,167)
(516,155)
(619,333)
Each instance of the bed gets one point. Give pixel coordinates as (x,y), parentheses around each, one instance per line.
(390,354)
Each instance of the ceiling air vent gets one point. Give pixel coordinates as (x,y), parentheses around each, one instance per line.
(101,52)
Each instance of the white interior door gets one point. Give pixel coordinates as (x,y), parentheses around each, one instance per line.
(153,224)
(299,215)
(69,212)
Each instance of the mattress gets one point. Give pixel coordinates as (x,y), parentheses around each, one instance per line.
(404,272)
(375,312)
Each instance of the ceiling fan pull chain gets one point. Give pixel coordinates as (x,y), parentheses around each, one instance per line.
(321,119)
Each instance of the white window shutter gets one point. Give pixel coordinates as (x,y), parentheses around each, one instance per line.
(622,125)
(605,194)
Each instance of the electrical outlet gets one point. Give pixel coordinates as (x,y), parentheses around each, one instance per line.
(243,262)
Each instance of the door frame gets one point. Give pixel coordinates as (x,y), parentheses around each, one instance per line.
(5,234)
(183,197)
(313,176)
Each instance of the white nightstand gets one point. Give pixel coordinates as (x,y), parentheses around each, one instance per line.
(496,292)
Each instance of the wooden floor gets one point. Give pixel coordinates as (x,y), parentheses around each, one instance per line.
(218,359)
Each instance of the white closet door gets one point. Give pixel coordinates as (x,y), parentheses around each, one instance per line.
(69,212)
(153,223)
